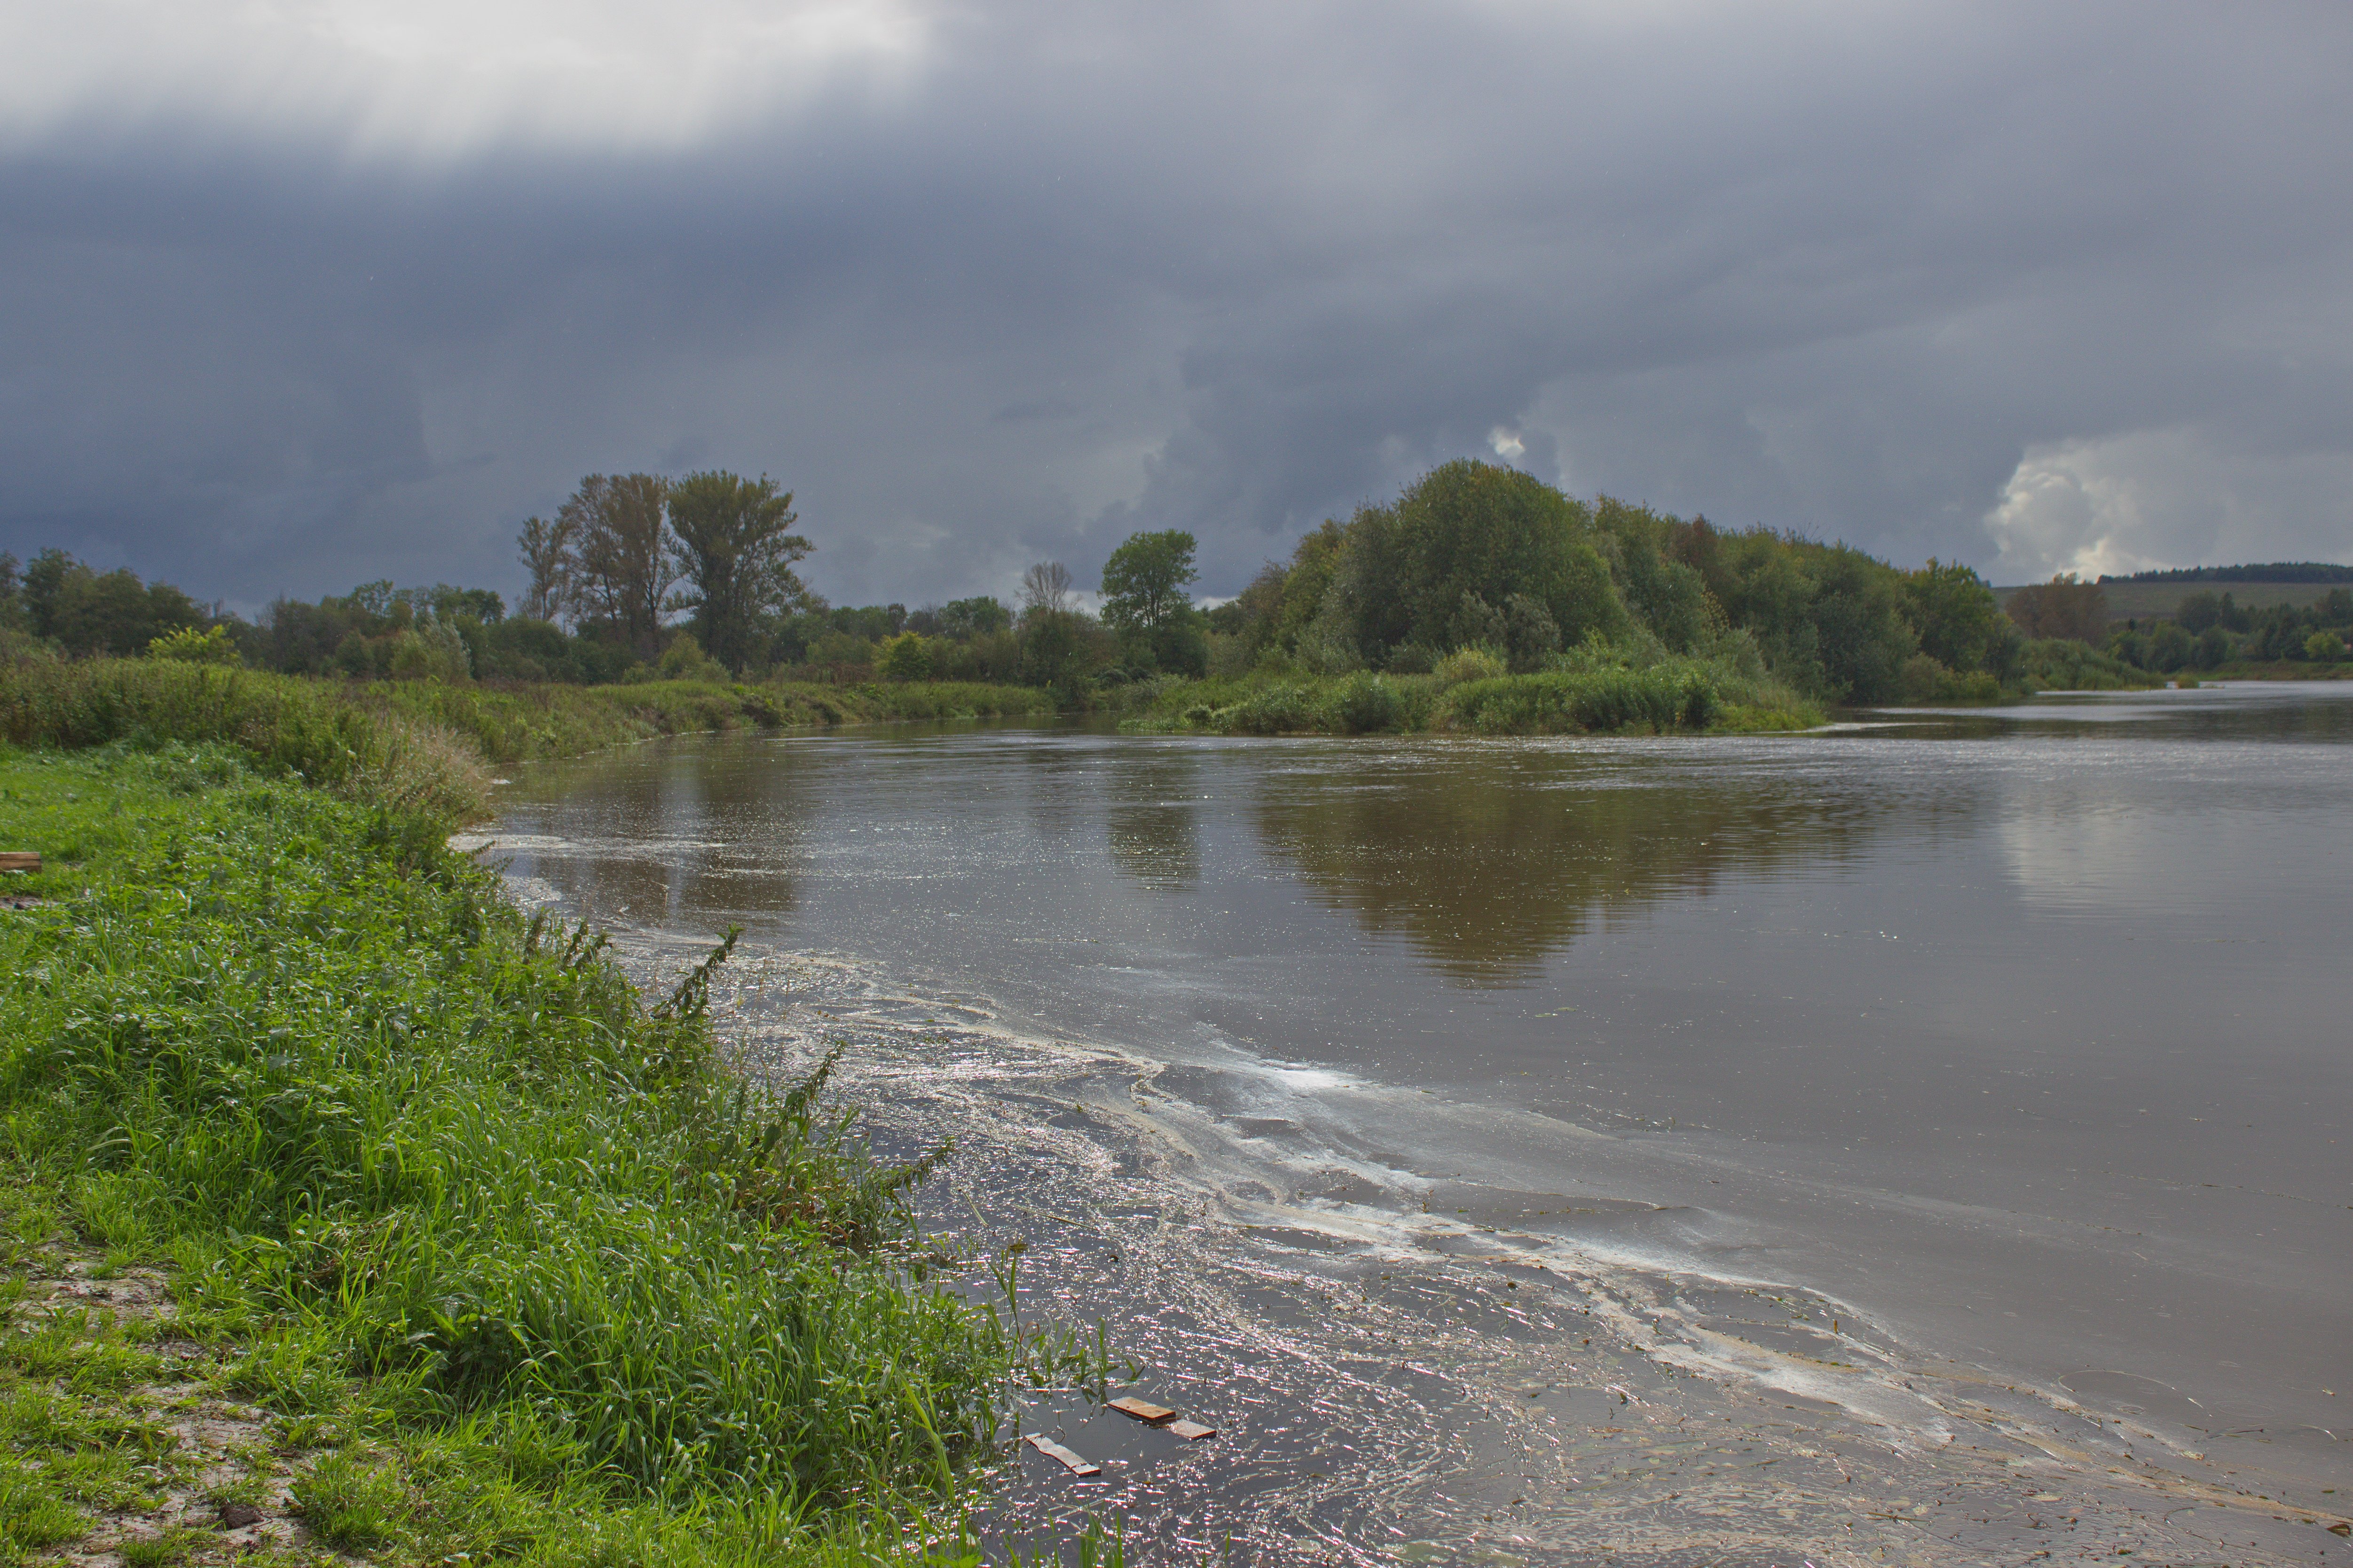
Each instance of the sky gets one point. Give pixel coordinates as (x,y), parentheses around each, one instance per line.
(296,294)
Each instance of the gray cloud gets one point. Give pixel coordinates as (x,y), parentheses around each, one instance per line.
(2028,287)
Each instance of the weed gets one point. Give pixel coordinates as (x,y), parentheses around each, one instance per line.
(32,1515)
(167,1549)
(352,1505)
(434,1179)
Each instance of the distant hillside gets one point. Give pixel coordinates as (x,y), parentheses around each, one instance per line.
(2277,572)
(2147,595)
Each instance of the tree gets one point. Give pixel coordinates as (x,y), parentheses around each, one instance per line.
(44,581)
(1959,621)
(1144,582)
(1046,586)
(734,544)
(622,565)
(965,619)
(546,551)
(2062,608)
(907,657)
(1410,573)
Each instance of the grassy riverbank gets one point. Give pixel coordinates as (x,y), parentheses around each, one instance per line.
(1470,694)
(337,1198)
(423,745)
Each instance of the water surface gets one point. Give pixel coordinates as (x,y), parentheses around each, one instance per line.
(1960,1080)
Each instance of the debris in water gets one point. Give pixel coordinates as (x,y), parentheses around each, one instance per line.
(1191,1431)
(1142,1410)
(1053,1450)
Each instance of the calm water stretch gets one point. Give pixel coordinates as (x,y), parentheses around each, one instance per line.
(1926,1141)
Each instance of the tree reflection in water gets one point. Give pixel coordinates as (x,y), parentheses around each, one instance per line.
(1487,864)
(1153,816)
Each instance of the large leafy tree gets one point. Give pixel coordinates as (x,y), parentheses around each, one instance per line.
(1959,621)
(1145,602)
(1469,534)
(622,567)
(546,551)
(1144,582)
(736,549)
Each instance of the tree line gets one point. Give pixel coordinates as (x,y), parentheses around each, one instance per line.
(2205,631)
(1475,556)
(638,576)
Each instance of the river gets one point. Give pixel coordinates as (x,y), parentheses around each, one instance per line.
(1924,1140)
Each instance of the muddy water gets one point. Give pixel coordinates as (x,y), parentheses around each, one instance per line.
(1928,1141)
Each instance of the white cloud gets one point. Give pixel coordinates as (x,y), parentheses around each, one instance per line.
(2167,498)
(442,77)
(1506,443)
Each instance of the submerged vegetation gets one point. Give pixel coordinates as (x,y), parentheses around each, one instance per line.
(470,1250)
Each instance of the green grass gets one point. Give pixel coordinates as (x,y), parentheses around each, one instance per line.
(421,746)
(448,1197)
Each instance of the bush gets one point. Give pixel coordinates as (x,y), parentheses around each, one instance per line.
(1666,696)
(1468,664)
(189,645)
(1367,704)
(907,657)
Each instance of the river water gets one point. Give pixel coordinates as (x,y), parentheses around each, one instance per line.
(1928,1140)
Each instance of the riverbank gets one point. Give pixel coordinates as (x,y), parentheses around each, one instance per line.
(345,1210)
(423,745)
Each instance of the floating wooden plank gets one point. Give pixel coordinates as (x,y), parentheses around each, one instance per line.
(1054,1450)
(1191,1431)
(20,859)
(1142,1410)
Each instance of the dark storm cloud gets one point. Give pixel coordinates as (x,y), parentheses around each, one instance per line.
(1874,274)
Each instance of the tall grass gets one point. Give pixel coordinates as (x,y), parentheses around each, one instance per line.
(1584,693)
(421,746)
(440,1173)
(2059,664)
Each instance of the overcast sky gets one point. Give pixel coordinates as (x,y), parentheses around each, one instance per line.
(297,293)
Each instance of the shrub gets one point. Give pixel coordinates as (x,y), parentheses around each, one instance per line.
(189,645)
(1664,697)
(907,657)
(1469,663)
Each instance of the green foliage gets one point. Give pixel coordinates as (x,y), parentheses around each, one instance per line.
(1468,664)
(683,659)
(1434,568)
(480,1198)
(1597,688)
(1677,694)
(965,619)
(1960,623)
(2064,664)
(2324,648)
(189,645)
(907,657)
(734,544)
(1473,556)
(1144,602)
(422,745)
(620,564)
(2062,608)
(1144,582)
